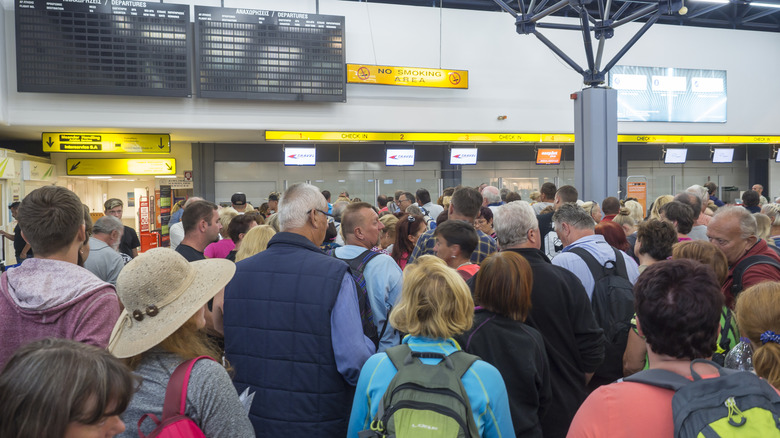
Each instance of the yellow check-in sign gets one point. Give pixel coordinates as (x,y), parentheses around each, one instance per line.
(353,136)
(121,166)
(407,76)
(106,143)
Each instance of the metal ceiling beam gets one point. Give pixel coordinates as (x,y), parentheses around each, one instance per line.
(760,15)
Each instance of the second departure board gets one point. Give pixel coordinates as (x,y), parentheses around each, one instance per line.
(271,55)
(123,47)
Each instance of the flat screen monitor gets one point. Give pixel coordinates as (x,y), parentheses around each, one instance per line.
(675,156)
(399,157)
(300,156)
(662,94)
(548,156)
(463,156)
(723,155)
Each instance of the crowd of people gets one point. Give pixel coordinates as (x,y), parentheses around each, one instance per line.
(478,313)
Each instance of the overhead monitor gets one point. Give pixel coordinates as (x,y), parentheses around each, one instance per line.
(675,156)
(463,156)
(399,157)
(723,155)
(548,156)
(300,156)
(661,94)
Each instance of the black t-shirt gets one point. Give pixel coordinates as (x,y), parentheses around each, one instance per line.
(190,253)
(19,243)
(129,241)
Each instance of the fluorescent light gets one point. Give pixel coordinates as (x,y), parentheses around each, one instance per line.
(714,1)
(98,177)
(766,5)
(165,176)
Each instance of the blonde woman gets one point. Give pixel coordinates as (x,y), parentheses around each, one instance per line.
(388,232)
(625,220)
(758,317)
(773,211)
(255,241)
(435,305)
(635,210)
(657,204)
(593,209)
(764,227)
(162,328)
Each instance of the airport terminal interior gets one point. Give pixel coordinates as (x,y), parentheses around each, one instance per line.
(205,97)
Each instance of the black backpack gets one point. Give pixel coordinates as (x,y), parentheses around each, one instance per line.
(744,265)
(613,306)
(356,268)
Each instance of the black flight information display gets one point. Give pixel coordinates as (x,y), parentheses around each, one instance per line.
(119,47)
(269,55)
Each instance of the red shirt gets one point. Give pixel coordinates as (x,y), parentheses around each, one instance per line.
(757,274)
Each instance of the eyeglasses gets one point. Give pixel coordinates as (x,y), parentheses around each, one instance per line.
(323,212)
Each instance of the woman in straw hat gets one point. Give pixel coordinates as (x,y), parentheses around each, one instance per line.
(161,327)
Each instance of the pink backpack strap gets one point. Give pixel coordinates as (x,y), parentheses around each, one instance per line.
(176,391)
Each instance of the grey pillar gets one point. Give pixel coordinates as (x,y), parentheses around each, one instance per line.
(595,143)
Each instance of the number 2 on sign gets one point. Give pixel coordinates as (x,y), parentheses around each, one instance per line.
(402,136)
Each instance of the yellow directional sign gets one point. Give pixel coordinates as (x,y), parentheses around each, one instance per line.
(106,143)
(407,76)
(717,139)
(452,137)
(419,137)
(121,166)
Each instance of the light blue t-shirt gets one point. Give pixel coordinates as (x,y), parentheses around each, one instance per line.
(383,283)
(601,251)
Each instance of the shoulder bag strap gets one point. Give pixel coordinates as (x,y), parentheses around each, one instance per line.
(620,264)
(660,378)
(176,391)
(596,268)
(744,265)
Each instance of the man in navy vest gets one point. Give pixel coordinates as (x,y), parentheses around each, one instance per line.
(293,331)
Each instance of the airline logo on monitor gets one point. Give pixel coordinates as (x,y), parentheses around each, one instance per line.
(463,156)
(400,157)
(300,156)
(548,156)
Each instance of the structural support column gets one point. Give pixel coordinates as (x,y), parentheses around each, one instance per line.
(595,143)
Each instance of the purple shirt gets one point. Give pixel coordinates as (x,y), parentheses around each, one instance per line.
(219,250)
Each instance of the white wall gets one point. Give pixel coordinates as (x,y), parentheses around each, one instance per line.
(510,74)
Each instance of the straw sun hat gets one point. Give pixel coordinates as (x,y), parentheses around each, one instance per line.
(161,290)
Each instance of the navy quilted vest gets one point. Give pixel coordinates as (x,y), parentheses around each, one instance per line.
(277,338)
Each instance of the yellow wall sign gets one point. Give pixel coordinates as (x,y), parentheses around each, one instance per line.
(419,137)
(121,166)
(354,136)
(106,143)
(717,139)
(407,76)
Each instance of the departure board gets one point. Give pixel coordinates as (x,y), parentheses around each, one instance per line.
(270,55)
(103,47)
